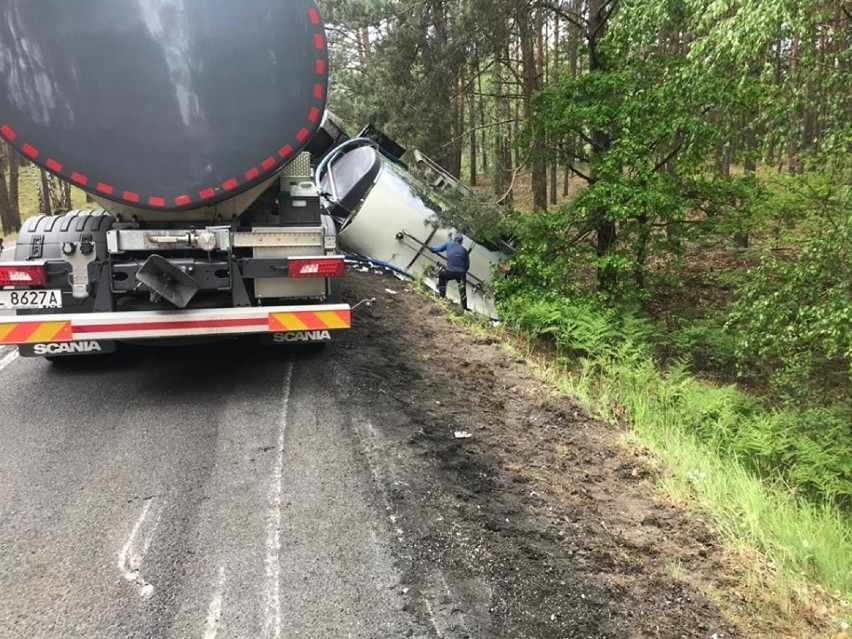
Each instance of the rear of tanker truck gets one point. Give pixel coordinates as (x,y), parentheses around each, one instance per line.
(193,124)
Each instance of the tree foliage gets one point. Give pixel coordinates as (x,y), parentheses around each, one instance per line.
(671,126)
(794,313)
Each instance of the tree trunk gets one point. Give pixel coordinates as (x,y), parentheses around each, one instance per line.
(66,196)
(516,119)
(5,207)
(44,200)
(502,136)
(793,162)
(365,47)
(483,140)
(779,75)
(601,141)
(554,173)
(445,96)
(531,80)
(723,159)
(457,146)
(749,168)
(14,197)
(674,229)
(472,147)
(554,147)
(573,35)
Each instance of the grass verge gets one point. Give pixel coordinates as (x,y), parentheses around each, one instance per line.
(797,536)
(792,557)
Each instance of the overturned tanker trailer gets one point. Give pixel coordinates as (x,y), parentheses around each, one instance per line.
(389,214)
(194,124)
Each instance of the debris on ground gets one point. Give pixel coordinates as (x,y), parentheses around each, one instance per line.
(543,525)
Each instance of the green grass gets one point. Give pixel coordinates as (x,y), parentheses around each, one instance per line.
(798,537)
(790,548)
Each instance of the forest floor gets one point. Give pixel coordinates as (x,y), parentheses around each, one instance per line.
(538,519)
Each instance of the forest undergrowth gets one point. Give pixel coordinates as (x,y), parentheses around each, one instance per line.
(733,367)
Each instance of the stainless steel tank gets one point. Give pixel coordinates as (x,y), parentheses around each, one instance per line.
(386,213)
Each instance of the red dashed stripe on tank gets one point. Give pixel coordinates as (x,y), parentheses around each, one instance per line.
(251,174)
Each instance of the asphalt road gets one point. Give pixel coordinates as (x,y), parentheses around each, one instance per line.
(200,492)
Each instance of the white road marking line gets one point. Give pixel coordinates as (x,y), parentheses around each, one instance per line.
(9,358)
(272,619)
(124,558)
(380,483)
(450,597)
(438,623)
(214,611)
(433,618)
(130,558)
(11,247)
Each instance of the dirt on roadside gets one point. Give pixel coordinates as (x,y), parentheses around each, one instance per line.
(516,514)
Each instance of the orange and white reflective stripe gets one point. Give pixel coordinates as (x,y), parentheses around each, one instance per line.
(309,320)
(35,332)
(153,324)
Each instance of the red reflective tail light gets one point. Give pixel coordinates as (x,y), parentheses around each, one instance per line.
(316,267)
(22,274)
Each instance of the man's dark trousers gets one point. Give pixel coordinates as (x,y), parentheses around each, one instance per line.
(446,276)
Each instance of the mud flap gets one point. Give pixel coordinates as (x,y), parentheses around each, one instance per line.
(66,349)
(296,337)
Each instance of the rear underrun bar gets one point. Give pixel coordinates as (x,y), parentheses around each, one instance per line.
(153,324)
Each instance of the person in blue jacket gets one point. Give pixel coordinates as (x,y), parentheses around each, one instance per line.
(458,264)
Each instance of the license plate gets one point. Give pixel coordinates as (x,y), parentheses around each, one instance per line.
(30,299)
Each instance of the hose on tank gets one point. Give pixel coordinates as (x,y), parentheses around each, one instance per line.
(357,259)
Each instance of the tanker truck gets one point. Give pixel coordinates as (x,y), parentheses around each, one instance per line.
(195,125)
